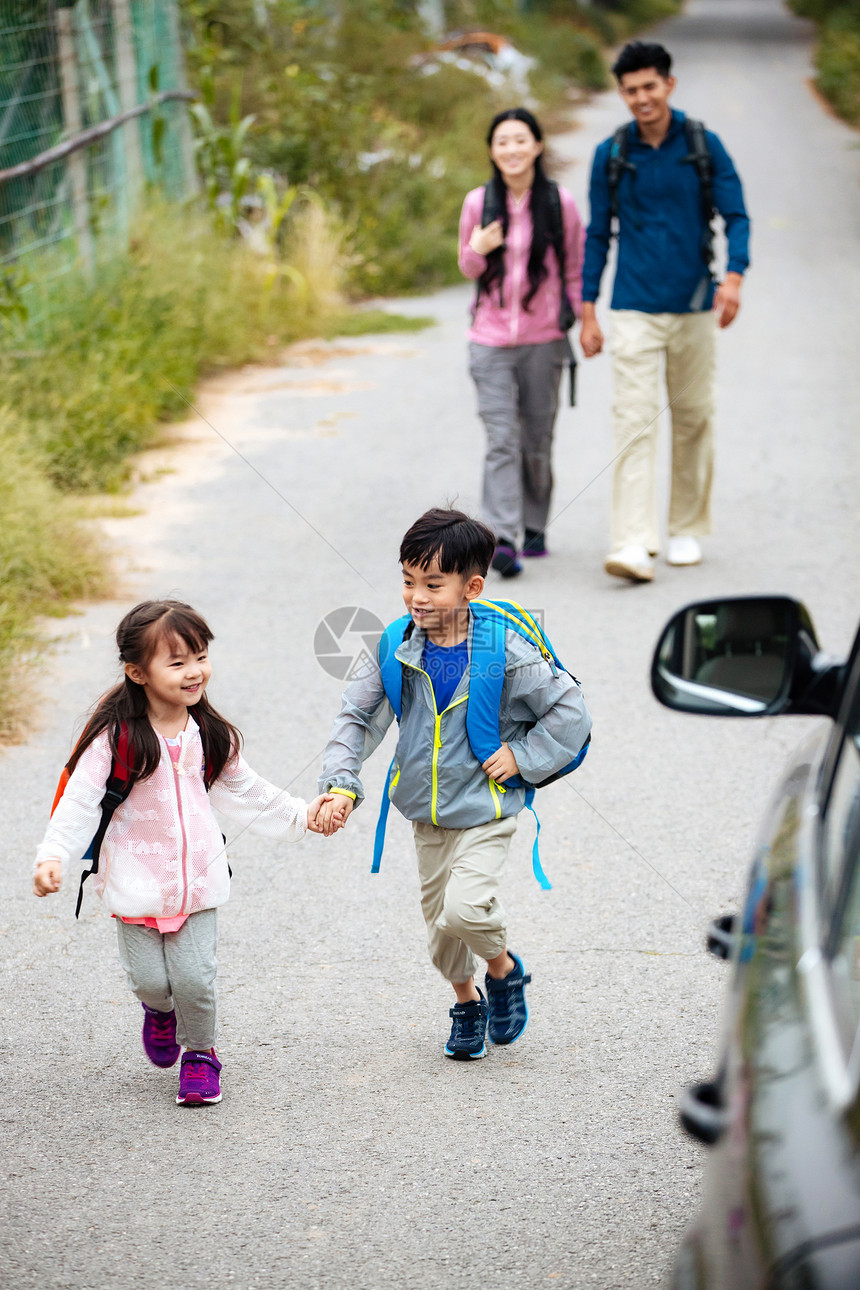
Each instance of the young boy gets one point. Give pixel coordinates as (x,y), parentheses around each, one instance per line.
(463,819)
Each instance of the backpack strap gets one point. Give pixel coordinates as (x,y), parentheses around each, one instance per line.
(390,666)
(489,212)
(391,670)
(617,163)
(118,786)
(566,313)
(699,155)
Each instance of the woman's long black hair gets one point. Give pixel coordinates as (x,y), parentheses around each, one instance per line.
(137,638)
(537,270)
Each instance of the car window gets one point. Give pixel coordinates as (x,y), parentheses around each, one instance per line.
(841,839)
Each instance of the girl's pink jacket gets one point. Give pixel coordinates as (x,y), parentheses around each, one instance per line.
(163,854)
(510,324)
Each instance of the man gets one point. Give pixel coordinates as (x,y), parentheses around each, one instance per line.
(665,305)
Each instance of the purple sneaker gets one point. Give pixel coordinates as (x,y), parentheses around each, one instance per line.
(159,1037)
(534,546)
(198,1078)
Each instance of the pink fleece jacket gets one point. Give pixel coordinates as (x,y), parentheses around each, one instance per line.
(510,323)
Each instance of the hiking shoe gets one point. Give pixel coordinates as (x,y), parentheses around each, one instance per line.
(159,1037)
(469,1025)
(683,550)
(505,559)
(534,544)
(631,562)
(507,1003)
(198,1078)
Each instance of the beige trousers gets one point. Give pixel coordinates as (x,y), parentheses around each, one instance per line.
(460,872)
(641,345)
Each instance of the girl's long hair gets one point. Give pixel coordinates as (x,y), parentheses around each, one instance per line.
(138,637)
(541,225)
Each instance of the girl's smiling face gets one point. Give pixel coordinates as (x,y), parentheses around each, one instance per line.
(514,149)
(175,677)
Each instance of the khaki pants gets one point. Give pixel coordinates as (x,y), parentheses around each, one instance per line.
(460,872)
(640,345)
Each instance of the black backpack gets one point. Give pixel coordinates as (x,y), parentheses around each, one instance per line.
(698,155)
(566,318)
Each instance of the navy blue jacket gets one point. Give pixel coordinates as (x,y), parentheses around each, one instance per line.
(661,268)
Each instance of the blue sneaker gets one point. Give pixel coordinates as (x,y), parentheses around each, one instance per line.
(469,1025)
(507,1003)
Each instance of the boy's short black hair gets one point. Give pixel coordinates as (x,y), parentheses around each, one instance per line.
(461,544)
(639,55)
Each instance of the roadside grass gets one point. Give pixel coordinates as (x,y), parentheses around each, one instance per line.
(837,55)
(85,389)
(48,561)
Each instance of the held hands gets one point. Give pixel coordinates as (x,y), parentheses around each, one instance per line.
(485,240)
(502,765)
(331,812)
(48,877)
(727,299)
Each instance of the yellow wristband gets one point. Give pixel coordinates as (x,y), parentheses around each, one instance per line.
(344,791)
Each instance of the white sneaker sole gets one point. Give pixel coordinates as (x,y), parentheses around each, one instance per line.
(618,569)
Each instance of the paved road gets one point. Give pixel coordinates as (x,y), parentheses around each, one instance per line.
(347,1151)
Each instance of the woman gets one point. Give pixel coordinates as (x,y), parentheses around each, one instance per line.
(521,237)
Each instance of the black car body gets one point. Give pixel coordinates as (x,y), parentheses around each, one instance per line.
(781,1205)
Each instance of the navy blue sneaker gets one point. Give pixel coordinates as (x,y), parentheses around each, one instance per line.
(469,1025)
(505,560)
(507,1003)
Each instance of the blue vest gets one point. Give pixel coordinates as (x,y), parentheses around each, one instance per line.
(486,681)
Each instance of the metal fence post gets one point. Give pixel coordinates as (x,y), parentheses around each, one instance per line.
(77,166)
(126,70)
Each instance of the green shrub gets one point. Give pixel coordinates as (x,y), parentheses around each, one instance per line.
(48,560)
(838,62)
(114,355)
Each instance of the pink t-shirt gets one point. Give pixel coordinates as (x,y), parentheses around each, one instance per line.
(163,924)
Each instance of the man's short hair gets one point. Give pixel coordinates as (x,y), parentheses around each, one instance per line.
(459,543)
(639,55)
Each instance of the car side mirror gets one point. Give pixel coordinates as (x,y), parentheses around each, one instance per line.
(748,656)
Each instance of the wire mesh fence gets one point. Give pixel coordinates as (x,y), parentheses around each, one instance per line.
(103,78)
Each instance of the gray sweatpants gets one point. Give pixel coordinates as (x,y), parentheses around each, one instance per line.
(517,402)
(169,970)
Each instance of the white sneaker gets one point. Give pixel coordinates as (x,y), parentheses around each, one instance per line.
(631,562)
(683,550)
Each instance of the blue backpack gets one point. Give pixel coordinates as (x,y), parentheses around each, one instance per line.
(486,682)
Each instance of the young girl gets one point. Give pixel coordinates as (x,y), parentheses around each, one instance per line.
(162,869)
(527,262)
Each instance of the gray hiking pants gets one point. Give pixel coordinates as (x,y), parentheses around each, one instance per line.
(176,970)
(517,402)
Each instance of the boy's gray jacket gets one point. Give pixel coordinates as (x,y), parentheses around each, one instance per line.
(436,777)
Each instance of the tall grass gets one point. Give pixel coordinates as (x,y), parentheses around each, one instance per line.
(837,56)
(115,358)
(47,561)
(83,390)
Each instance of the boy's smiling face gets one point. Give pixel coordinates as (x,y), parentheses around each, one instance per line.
(439,602)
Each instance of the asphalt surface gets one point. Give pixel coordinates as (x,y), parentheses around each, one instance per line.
(347,1151)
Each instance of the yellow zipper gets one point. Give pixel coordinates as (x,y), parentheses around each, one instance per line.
(495,789)
(437,738)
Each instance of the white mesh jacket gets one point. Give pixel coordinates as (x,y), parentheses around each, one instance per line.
(163,854)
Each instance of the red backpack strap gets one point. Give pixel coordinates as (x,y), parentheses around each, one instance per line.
(119,784)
